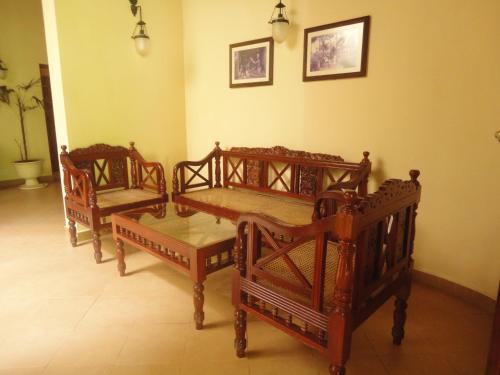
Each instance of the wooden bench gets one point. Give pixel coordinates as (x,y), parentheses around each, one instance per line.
(319,282)
(275,181)
(96,184)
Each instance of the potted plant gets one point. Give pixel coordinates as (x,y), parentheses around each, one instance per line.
(22,100)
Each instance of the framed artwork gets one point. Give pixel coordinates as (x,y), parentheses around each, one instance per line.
(251,63)
(336,50)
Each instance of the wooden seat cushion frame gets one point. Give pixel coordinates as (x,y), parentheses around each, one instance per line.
(275,172)
(367,244)
(96,184)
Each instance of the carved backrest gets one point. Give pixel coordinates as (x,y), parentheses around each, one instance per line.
(385,233)
(107,165)
(370,239)
(278,170)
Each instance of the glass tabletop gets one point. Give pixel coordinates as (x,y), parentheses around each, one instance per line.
(195,228)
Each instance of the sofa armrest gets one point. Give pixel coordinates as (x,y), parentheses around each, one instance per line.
(146,175)
(186,172)
(78,185)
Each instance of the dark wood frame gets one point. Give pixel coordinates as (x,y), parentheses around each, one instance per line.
(493,364)
(374,236)
(364,52)
(49,116)
(81,185)
(193,261)
(271,63)
(310,172)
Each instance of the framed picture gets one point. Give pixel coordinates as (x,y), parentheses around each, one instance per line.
(337,50)
(251,63)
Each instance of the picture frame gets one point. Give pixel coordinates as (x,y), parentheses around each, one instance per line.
(251,63)
(337,50)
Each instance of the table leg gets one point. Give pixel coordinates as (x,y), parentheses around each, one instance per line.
(120,255)
(198,299)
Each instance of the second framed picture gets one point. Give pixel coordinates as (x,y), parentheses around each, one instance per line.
(336,50)
(251,63)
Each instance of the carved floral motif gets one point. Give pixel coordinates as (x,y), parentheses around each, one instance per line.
(283,151)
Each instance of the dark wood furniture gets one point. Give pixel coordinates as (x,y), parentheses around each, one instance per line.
(275,181)
(192,242)
(320,281)
(96,184)
(493,365)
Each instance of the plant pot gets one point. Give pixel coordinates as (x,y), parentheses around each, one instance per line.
(30,170)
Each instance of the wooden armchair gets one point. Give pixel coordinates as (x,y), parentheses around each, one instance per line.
(319,282)
(96,184)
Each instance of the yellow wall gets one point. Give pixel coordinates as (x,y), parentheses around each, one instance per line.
(430,101)
(113,95)
(22,48)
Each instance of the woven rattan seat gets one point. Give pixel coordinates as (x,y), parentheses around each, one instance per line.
(303,257)
(288,210)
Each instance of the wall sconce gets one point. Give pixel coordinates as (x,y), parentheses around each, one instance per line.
(140,34)
(3,70)
(280,22)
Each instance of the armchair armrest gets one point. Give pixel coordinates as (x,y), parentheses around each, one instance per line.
(181,182)
(78,184)
(149,175)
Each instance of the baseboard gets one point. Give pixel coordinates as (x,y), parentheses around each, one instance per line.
(13,183)
(467,295)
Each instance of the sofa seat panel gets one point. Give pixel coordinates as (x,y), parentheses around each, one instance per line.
(288,210)
(303,257)
(113,198)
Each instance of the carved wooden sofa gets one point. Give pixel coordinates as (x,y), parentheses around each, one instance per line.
(320,281)
(96,184)
(275,181)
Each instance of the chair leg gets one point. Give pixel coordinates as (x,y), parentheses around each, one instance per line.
(198,299)
(337,370)
(72,232)
(240,328)
(398,332)
(96,241)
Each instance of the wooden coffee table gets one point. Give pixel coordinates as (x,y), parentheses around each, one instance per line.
(193,242)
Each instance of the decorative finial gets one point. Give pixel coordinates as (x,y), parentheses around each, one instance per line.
(351,199)
(64,148)
(217,143)
(414,173)
(365,157)
(132,144)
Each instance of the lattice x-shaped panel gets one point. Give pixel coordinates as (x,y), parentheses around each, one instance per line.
(101,172)
(149,176)
(288,266)
(280,176)
(235,170)
(334,175)
(196,176)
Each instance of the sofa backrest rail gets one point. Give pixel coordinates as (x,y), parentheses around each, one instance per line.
(107,165)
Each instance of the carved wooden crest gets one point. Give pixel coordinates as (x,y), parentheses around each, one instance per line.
(97,148)
(285,152)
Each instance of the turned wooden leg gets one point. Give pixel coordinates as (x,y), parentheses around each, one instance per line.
(240,328)
(337,370)
(96,241)
(72,232)
(198,299)
(398,331)
(120,255)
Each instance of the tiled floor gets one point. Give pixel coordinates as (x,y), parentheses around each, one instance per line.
(60,313)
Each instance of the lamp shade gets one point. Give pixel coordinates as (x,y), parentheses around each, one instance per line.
(280,30)
(142,44)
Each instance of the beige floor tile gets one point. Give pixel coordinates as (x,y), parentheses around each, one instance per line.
(22,371)
(60,313)
(229,367)
(72,370)
(91,346)
(154,344)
